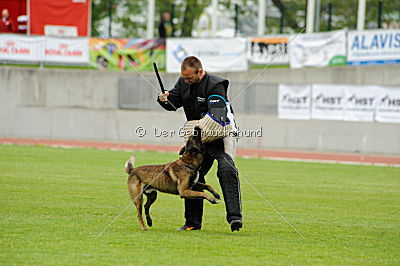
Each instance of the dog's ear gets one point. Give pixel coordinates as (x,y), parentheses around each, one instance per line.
(182,150)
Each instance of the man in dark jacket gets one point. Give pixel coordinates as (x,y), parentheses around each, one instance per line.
(166,28)
(197,91)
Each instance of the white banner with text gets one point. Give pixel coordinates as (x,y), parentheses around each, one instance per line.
(63,50)
(358,103)
(294,101)
(216,54)
(388,105)
(373,47)
(15,47)
(318,49)
(268,50)
(328,101)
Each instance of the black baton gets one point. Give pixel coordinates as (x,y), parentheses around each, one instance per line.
(158,77)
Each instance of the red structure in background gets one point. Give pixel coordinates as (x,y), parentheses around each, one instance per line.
(61,15)
(16,8)
(73,13)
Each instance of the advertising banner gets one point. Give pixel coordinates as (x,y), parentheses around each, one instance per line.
(268,50)
(328,101)
(294,101)
(15,47)
(127,54)
(388,105)
(318,49)
(360,102)
(373,47)
(217,55)
(63,50)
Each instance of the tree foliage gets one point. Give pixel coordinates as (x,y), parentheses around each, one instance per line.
(131,14)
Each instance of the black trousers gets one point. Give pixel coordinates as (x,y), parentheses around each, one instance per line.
(228,180)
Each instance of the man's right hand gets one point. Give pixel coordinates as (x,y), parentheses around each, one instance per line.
(163,96)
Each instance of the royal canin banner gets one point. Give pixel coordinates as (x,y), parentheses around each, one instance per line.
(63,17)
(15,47)
(62,50)
(373,47)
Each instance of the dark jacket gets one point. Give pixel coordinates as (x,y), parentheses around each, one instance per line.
(194,97)
(163,31)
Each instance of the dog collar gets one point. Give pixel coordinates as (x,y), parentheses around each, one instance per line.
(187,167)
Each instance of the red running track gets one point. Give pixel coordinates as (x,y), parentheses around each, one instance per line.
(259,153)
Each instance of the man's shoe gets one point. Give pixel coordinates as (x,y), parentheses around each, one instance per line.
(236,225)
(189,228)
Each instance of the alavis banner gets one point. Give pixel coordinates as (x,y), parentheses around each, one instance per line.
(373,47)
(318,49)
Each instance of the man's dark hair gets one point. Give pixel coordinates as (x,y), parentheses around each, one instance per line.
(191,61)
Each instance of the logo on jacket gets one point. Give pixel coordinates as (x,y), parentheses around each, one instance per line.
(202,100)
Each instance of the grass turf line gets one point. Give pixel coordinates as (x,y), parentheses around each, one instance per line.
(55,201)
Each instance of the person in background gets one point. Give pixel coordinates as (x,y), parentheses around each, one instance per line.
(5,23)
(165,28)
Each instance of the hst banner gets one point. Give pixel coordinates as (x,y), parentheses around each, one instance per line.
(216,55)
(294,101)
(373,47)
(388,105)
(328,101)
(360,102)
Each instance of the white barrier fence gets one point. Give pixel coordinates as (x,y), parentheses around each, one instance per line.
(229,54)
(339,102)
(45,49)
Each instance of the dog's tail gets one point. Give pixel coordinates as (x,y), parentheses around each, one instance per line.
(129,164)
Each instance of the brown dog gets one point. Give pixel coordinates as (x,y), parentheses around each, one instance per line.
(176,178)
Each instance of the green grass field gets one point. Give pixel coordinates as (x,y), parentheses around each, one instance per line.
(55,201)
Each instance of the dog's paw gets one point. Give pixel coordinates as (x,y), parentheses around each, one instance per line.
(149,222)
(214,201)
(216,195)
